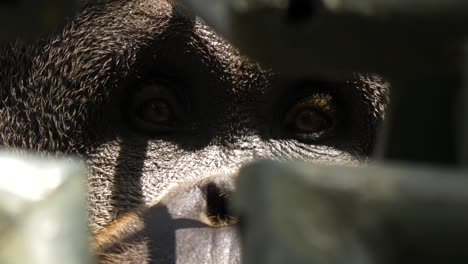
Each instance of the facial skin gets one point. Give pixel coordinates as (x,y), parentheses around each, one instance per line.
(154,100)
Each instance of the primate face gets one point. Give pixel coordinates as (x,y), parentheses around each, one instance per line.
(155,101)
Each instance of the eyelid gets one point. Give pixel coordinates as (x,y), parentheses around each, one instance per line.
(152,90)
(320,102)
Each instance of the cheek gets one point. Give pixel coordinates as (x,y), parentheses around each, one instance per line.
(125,174)
(101,165)
(133,171)
(122,177)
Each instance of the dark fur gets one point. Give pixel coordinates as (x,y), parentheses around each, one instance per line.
(65,95)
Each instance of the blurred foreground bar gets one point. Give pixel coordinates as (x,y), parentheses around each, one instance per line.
(43,211)
(299,213)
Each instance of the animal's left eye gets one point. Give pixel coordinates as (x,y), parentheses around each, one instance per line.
(155,108)
(155,111)
(311,118)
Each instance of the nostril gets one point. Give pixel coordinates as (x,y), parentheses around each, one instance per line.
(217,206)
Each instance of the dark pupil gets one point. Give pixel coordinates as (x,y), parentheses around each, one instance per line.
(156,111)
(309,120)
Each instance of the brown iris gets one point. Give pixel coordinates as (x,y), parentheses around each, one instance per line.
(309,120)
(156,111)
(312,117)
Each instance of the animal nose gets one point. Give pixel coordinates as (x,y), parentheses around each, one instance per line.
(193,224)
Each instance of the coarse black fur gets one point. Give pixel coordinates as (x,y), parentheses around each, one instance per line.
(71,92)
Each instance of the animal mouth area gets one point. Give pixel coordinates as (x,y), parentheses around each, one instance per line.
(190,224)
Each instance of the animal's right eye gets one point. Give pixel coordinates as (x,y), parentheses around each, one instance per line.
(155,108)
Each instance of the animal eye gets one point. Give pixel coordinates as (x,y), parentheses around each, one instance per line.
(156,111)
(311,118)
(155,108)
